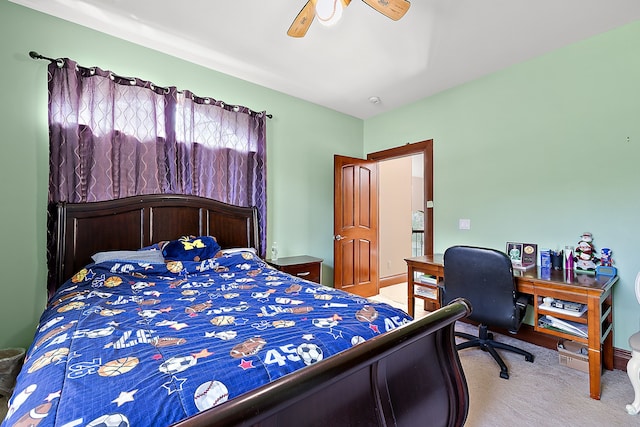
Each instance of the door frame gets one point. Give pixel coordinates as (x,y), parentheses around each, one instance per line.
(410,149)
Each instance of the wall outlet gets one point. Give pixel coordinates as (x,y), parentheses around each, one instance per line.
(464,224)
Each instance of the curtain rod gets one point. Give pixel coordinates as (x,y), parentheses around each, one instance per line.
(35,55)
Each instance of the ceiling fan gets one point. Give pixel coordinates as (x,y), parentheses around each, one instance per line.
(329,11)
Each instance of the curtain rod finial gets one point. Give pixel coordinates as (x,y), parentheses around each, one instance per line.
(35,55)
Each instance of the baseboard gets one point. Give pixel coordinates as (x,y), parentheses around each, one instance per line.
(527,333)
(383,282)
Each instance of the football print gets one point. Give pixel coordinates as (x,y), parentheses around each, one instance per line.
(248,348)
(367,314)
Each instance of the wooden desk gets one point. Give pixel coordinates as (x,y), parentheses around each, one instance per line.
(595,291)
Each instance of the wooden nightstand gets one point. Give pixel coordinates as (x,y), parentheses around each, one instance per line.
(303,266)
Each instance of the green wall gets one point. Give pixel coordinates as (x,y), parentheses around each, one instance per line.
(538,153)
(302,139)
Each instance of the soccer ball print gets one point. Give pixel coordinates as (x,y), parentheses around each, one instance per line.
(309,353)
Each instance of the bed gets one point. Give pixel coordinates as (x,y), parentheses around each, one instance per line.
(135,334)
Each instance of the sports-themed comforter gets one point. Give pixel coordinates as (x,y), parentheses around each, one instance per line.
(137,343)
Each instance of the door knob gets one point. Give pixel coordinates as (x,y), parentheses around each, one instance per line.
(338,237)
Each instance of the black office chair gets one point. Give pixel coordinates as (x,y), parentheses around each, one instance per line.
(484,277)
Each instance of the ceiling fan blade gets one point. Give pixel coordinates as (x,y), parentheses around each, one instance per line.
(303,21)
(394,9)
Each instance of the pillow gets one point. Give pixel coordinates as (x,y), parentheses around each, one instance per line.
(189,248)
(153,256)
(236,250)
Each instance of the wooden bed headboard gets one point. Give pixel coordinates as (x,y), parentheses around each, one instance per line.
(78,230)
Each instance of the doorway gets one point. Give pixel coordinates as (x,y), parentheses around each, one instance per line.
(406,217)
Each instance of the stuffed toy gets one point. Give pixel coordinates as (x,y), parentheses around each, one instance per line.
(190,248)
(585,259)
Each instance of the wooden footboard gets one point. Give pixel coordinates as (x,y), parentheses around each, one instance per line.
(410,376)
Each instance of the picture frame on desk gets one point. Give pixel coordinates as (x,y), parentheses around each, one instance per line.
(523,256)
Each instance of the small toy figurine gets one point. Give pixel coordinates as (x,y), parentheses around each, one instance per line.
(584,255)
(605,257)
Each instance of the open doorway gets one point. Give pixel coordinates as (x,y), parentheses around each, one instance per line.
(405,208)
(401,215)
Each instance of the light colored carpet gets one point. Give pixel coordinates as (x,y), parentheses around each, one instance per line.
(543,393)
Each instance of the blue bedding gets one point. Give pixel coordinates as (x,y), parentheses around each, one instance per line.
(143,343)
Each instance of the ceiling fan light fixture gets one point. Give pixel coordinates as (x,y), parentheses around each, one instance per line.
(329,12)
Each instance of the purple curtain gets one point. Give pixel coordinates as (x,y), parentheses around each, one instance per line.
(113,137)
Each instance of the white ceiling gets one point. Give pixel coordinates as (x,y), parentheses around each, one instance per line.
(437,45)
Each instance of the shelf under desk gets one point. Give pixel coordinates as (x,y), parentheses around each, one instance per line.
(595,291)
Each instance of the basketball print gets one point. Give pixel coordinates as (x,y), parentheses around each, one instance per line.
(80,276)
(113,281)
(118,367)
(174,266)
(248,348)
(367,314)
(73,305)
(210,394)
(52,356)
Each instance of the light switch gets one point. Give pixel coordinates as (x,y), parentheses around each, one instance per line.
(464,224)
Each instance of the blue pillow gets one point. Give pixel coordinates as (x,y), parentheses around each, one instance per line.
(190,248)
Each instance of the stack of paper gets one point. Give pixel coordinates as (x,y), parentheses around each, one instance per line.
(567,326)
(426,278)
